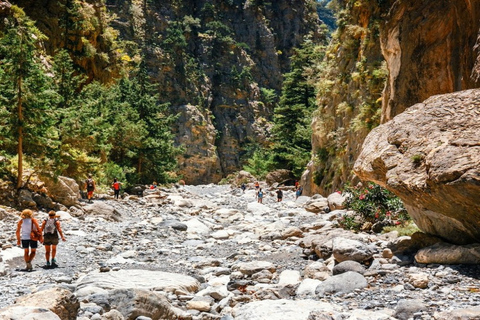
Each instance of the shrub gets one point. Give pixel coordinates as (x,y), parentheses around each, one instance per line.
(373,204)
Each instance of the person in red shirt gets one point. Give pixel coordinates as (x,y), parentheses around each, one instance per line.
(116,188)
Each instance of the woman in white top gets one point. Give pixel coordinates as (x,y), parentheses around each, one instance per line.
(24,227)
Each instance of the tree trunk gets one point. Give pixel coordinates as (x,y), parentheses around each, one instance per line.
(20,134)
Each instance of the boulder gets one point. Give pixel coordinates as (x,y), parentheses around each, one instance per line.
(279,176)
(429,156)
(335,201)
(243,177)
(348,249)
(25,199)
(27,313)
(60,301)
(466,313)
(444,253)
(407,308)
(280,309)
(145,279)
(132,303)
(103,210)
(64,190)
(43,201)
(342,283)
(316,205)
(348,265)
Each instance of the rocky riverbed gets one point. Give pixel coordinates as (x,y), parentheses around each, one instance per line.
(213,252)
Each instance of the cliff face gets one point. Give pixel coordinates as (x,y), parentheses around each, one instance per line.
(349,85)
(86,34)
(217,57)
(428,48)
(212,60)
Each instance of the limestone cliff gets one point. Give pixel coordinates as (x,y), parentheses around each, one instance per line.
(349,86)
(429,47)
(216,57)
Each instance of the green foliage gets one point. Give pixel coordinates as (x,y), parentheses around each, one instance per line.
(260,163)
(404,229)
(373,203)
(292,116)
(27,102)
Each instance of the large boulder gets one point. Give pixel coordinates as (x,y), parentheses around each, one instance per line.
(60,301)
(429,156)
(281,176)
(64,190)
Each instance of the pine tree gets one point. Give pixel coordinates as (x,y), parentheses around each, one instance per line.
(293,114)
(156,155)
(26,95)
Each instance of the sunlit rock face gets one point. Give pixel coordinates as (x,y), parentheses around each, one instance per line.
(430,157)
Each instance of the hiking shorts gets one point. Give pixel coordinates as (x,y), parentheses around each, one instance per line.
(50,239)
(90,194)
(29,243)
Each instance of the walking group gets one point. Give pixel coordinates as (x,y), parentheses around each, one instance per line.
(30,232)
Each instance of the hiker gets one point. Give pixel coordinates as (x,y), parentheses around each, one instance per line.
(51,228)
(243,187)
(257,185)
(153,186)
(298,193)
(90,186)
(279,195)
(25,225)
(116,188)
(260,196)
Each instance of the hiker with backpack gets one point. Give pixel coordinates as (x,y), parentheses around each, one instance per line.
(51,229)
(90,186)
(116,188)
(26,226)
(260,196)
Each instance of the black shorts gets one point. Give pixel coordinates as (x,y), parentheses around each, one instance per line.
(50,239)
(29,243)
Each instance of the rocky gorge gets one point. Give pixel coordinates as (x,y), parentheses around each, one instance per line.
(213,252)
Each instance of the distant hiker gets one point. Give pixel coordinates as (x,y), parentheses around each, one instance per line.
(90,186)
(25,225)
(51,228)
(116,188)
(154,185)
(298,193)
(260,196)
(243,187)
(257,185)
(279,195)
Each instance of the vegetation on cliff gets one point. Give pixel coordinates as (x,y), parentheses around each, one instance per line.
(66,127)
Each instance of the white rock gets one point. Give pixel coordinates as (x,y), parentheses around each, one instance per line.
(289,277)
(280,309)
(307,287)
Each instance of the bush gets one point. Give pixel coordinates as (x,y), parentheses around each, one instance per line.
(374,204)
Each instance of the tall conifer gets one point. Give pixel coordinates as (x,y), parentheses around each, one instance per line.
(26,95)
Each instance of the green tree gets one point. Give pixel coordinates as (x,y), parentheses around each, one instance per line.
(26,95)
(155,156)
(292,116)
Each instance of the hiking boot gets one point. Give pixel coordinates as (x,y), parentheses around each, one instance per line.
(29,266)
(54,263)
(48,263)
